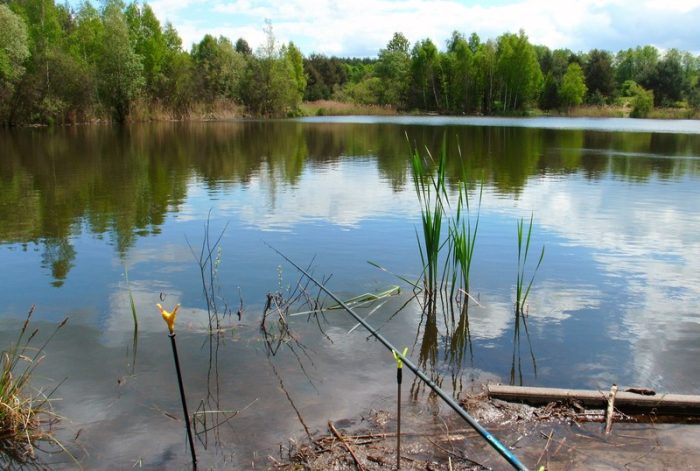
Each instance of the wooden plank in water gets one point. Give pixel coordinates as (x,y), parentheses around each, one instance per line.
(661,404)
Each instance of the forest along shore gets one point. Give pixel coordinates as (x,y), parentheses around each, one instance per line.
(64,63)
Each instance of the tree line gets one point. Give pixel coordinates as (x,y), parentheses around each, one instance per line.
(63,64)
(59,64)
(507,75)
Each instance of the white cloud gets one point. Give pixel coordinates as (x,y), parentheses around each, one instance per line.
(649,239)
(678,6)
(363,27)
(328,193)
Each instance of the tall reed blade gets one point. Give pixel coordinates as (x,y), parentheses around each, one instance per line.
(131,300)
(524,239)
(463,234)
(431,190)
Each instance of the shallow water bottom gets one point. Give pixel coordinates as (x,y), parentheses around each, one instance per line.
(432,440)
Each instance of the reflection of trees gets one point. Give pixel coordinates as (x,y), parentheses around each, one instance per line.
(563,152)
(640,156)
(123,182)
(58,256)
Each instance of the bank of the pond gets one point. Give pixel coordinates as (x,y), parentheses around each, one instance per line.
(225,110)
(339,108)
(557,437)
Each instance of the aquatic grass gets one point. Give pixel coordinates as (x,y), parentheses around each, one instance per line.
(463,235)
(415,285)
(524,239)
(521,294)
(357,301)
(432,197)
(132,304)
(25,417)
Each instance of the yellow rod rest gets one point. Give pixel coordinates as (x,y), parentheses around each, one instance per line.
(169,316)
(399,362)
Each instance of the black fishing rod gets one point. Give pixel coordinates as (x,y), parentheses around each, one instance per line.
(493,441)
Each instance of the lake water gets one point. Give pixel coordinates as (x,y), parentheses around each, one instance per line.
(616,300)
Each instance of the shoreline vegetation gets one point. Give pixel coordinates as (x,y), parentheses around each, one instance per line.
(115,62)
(26,417)
(223,111)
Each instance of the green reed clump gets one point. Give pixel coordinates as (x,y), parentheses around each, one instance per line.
(25,417)
(458,245)
(522,291)
(463,237)
(432,196)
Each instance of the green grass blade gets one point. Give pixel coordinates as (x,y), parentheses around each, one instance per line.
(131,299)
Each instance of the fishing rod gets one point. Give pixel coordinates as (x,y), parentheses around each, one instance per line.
(493,441)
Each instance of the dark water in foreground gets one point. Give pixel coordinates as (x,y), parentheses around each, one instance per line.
(616,300)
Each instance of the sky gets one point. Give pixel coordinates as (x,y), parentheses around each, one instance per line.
(360,28)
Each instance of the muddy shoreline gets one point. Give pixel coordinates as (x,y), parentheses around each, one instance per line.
(434,438)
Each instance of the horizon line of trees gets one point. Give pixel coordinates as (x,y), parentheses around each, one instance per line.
(61,64)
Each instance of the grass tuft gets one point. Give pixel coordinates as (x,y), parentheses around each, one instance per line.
(25,417)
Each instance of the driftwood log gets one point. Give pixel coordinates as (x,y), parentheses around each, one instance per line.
(629,402)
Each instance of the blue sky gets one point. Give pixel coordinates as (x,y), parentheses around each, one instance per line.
(361,27)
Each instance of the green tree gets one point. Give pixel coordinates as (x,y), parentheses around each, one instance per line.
(485,81)
(178,74)
(425,64)
(40,96)
(519,71)
(14,45)
(243,48)
(295,64)
(14,51)
(393,70)
(86,36)
(642,99)
(218,69)
(269,86)
(120,77)
(459,74)
(573,86)
(637,64)
(691,71)
(324,76)
(554,69)
(668,80)
(146,36)
(694,97)
(600,76)
(474,42)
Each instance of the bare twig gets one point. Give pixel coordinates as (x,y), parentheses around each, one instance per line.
(347,445)
(546,447)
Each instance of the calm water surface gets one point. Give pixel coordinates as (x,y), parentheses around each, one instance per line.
(615,203)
